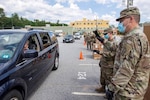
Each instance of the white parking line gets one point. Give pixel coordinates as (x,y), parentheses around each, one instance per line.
(88,94)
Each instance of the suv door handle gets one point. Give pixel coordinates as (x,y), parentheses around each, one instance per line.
(22,63)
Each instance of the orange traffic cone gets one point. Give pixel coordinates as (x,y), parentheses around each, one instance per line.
(81,56)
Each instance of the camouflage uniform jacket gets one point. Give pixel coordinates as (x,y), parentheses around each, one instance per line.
(93,38)
(131,75)
(88,38)
(108,54)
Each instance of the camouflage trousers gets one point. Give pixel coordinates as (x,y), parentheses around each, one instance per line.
(120,97)
(106,75)
(89,46)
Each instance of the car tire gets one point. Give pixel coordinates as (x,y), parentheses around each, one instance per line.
(13,95)
(56,62)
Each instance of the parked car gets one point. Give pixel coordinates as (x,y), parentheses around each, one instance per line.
(21,69)
(58,34)
(68,39)
(77,36)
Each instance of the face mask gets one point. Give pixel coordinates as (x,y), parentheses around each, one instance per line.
(106,36)
(121,28)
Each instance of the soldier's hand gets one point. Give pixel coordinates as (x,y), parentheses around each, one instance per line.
(98,36)
(97,51)
(96,33)
(109,94)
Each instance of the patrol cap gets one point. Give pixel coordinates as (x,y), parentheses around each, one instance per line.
(108,30)
(128,11)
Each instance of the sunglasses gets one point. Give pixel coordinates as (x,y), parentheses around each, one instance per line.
(122,19)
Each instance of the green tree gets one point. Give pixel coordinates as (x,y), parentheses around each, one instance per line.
(2,14)
(18,22)
(2,17)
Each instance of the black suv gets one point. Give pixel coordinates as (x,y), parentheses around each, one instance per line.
(20,68)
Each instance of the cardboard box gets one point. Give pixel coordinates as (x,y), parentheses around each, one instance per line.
(97,46)
(96,56)
(146,30)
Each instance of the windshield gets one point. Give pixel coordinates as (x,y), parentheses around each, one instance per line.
(77,35)
(68,36)
(8,45)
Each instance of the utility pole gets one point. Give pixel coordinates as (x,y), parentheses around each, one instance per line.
(129,3)
(96,22)
(123,2)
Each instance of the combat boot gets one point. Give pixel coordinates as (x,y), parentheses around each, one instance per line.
(100,90)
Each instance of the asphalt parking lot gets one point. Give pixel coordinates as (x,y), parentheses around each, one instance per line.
(75,79)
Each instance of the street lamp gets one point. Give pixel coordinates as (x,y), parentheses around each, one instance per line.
(129,3)
(95,17)
(96,23)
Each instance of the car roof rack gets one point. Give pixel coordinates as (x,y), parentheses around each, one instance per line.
(35,29)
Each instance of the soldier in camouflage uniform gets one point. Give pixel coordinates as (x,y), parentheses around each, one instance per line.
(93,40)
(131,66)
(85,35)
(107,59)
(88,41)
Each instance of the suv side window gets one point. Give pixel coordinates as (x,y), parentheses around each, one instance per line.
(53,37)
(31,43)
(45,39)
(34,43)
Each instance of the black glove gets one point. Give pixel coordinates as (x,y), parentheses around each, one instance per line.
(97,51)
(98,37)
(109,94)
(96,33)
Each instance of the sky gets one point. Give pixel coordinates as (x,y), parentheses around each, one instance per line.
(67,11)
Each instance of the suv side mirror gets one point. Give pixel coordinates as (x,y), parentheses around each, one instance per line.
(30,53)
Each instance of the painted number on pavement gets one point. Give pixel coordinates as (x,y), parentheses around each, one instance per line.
(81,75)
